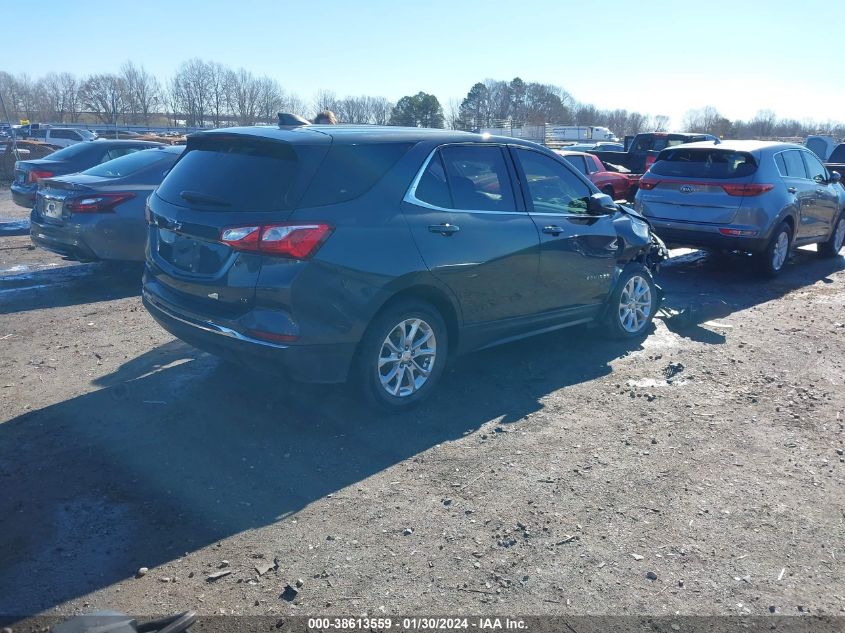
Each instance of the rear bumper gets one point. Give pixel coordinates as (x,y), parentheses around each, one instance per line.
(23,196)
(304,363)
(90,237)
(62,240)
(705,236)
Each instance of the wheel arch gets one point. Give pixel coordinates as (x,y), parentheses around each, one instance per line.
(435,296)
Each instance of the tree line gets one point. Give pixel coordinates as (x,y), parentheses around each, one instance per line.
(208,94)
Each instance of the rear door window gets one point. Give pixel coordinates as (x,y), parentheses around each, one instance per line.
(349,171)
(117,152)
(433,188)
(704,163)
(552,187)
(234,173)
(478,178)
(794,165)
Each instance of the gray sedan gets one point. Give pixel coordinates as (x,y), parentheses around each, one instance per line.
(760,197)
(98,214)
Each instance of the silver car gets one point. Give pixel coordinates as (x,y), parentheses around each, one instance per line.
(760,197)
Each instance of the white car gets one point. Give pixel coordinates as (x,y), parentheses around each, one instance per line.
(62,136)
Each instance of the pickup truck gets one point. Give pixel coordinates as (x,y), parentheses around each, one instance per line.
(836,161)
(645,147)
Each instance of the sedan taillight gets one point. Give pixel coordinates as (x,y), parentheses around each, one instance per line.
(37,174)
(298,241)
(99,203)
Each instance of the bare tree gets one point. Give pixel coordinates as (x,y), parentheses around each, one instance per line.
(661,123)
(190,89)
(271,99)
(243,92)
(105,97)
(143,93)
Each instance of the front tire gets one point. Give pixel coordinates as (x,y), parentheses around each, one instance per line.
(608,191)
(771,261)
(402,355)
(632,303)
(831,247)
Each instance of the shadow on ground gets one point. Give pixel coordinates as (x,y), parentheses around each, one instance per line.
(23,289)
(176,450)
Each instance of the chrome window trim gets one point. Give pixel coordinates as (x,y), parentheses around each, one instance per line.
(411,197)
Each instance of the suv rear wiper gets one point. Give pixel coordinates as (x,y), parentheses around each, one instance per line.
(194,196)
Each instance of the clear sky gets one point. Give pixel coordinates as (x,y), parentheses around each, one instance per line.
(657,57)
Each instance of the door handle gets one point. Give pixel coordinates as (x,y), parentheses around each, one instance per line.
(552,230)
(792,190)
(444,229)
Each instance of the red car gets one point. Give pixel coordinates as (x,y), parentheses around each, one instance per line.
(618,186)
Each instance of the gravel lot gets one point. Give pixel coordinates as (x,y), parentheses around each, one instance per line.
(545,477)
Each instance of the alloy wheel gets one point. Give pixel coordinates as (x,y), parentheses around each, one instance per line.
(840,235)
(407,357)
(635,304)
(780,251)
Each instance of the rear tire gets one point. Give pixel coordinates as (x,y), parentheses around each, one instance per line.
(402,355)
(609,192)
(772,260)
(632,303)
(831,247)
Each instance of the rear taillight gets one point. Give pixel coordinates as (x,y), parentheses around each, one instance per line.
(37,174)
(648,185)
(746,190)
(99,203)
(298,241)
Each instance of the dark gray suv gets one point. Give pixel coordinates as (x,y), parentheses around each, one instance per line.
(335,252)
(762,197)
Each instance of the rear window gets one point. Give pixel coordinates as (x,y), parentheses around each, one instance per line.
(71,151)
(238,174)
(131,163)
(838,155)
(577,162)
(349,171)
(704,163)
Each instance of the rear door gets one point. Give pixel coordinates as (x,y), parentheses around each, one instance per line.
(826,200)
(578,250)
(793,170)
(473,232)
(222,181)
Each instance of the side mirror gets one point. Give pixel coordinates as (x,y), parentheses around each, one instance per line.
(835,176)
(601,204)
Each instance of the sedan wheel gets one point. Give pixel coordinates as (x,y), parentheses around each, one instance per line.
(407,357)
(635,305)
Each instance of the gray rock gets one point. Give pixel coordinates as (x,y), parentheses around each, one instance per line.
(651,575)
(218,575)
(407,531)
(142,572)
(299,582)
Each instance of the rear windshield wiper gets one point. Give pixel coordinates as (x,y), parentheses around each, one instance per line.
(202,198)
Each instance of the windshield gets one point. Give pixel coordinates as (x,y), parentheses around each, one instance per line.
(704,163)
(131,163)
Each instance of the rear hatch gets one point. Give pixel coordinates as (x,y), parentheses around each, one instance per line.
(224,180)
(698,184)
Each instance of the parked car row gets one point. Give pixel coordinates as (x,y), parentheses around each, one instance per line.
(376,253)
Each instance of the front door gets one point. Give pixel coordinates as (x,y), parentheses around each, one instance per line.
(472,232)
(578,250)
(826,198)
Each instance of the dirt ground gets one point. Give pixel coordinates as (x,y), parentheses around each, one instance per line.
(699,472)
